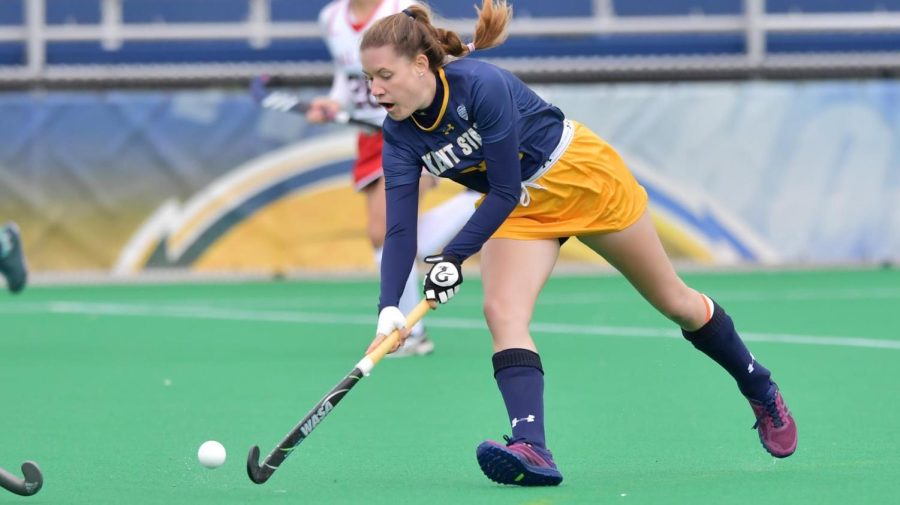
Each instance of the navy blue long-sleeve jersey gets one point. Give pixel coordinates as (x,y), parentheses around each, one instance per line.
(485,130)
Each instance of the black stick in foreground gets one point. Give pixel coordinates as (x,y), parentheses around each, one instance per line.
(28,486)
(285,101)
(260,473)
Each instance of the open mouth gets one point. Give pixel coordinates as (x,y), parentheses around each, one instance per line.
(388,106)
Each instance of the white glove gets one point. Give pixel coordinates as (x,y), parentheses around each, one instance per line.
(390,319)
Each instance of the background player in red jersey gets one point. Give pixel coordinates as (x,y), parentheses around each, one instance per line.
(343,23)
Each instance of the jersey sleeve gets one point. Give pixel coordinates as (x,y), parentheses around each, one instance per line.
(496,117)
(493,105)
(398,160)
(504,187)
(399,241)
(340,91)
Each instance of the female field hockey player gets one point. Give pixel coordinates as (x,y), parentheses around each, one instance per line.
(545,179)
(343,23)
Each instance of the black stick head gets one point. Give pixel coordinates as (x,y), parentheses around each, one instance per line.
(256,474)
(34,480)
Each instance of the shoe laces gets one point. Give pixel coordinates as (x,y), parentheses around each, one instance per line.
(770,409)
(534,454)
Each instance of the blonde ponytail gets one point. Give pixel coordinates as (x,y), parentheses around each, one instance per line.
(411,33)
(493,20)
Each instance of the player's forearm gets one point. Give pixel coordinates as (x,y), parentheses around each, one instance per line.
(484,222)
(399,242)
(505,179)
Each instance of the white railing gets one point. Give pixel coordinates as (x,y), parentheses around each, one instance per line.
(259,30)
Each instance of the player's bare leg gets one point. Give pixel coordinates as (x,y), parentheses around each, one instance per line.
(513,273)
(638,253)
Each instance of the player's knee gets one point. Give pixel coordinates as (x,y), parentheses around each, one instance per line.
(679,309)
(504,314)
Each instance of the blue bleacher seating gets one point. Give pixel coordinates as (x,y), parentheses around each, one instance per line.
(832,43)
(11,13)
(185,52)
(292,10)
(521,9)
(184,11)
(676,7)
(84,12)
(12,53)
(812,6)
(73,11)
(308,10)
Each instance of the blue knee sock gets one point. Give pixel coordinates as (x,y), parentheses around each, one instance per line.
(719,340)
(520,378)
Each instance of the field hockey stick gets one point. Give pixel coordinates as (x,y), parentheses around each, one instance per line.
(284,101)
(28,486)
(261,473)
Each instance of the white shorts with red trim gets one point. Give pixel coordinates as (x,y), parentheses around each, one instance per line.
(367,168)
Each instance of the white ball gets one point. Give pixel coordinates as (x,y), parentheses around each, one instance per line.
(211,454)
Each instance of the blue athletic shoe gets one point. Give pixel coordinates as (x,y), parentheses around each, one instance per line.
(517,463)
(12,260)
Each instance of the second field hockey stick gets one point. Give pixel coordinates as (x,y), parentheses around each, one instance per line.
(259,473)
(284,101)
(28,486)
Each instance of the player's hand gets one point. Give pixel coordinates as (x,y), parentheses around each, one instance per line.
(389,319)
(444,278)
(322,109)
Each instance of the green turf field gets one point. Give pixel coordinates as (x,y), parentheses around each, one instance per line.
(112,389)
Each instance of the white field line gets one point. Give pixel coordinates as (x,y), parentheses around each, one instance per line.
(571,298)
(232,314)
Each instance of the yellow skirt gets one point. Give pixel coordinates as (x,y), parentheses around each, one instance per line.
(589,189)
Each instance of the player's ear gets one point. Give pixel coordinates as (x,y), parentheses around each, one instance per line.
(421,63)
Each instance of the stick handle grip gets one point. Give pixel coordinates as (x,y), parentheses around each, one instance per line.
(372,359)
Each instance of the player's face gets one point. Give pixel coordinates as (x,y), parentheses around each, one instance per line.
(397,83)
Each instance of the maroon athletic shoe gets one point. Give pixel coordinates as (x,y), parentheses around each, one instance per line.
(776,427)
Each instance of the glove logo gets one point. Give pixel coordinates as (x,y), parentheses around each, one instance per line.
(444,275)
(444,278)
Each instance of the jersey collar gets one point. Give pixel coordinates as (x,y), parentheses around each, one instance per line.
(440,116)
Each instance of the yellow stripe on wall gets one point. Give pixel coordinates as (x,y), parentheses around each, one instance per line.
(325,229)
(321,230)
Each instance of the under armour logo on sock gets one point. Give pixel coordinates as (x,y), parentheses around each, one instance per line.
(529,419)
(750,367)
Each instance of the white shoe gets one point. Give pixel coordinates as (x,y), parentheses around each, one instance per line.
(415,345)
